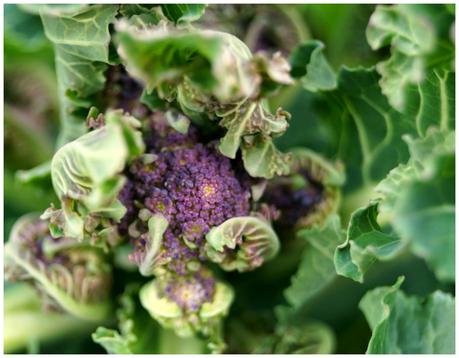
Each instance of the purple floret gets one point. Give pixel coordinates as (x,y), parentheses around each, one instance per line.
(190,183)
(191,292)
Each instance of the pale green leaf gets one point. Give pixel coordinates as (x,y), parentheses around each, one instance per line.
(111,340)
(262,159)
(87,171)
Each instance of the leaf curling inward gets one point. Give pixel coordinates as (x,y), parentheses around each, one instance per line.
(86,177)
(365,243)
(241,243)
(157,225)
(169,314)
(82,165)
(75,277)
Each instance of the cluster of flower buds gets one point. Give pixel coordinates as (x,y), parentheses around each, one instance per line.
(186,204)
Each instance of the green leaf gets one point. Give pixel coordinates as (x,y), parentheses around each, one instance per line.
(411,36)
(138,332)
(424,215)
(81,38)
(316,269)
(371,143)
(162,56)
(432,102)
(262,159)
(181,13)
(367,133)
(251,241)
(401,324)
(312,68)
(365,244)
(417,42)
(418,200)
(81,165)
(87,172)
(246,121)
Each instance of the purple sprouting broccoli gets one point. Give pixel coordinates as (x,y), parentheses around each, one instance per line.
(191,184)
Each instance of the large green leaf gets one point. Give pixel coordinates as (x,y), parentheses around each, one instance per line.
(81,38)
(403,324)
(418,200)
(316,269)
(365,243)
(411,34)
(366,132)
(424,215)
